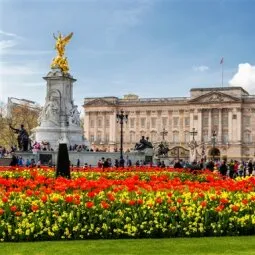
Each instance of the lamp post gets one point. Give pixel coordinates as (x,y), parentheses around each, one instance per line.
(214,135)
(121,117)
(193,133)
(163,133)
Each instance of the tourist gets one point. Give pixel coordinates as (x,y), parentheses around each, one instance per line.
(28,163)
(163,164)
(116,163)
(223,168)
(177,164)
(38,164)
(210,165)
(99,163)
(78,162)
(14,161)
(250,167)
(129,162)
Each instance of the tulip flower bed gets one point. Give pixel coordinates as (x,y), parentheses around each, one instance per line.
(131,202)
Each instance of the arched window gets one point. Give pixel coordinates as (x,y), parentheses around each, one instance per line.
(247,136)
(153,136)
(132,137)
(175,137)
(99,136)
(186,137)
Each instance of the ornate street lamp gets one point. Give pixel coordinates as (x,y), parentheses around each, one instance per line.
(120,119)
(214,136)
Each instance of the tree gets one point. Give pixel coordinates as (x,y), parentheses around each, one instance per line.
(15,116)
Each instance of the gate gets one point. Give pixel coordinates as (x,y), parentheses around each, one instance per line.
(179,152)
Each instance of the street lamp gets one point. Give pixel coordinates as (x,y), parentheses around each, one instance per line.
(120,119)
(214,135)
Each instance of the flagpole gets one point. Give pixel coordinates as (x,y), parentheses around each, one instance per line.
(222,75)
(222,71)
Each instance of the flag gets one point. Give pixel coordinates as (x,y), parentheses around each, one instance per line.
(221,61)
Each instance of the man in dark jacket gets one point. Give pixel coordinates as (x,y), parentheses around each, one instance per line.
(223,168)
(178,164)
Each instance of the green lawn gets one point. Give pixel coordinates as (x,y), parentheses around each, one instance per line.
(178,246)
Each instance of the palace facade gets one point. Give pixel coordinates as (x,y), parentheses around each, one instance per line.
(222,117)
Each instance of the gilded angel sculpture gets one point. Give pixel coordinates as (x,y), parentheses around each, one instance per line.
(60,61)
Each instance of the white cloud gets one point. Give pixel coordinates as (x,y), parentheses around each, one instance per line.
(4,44)
(201,68)
(9,41)
(24,52)
(8,34)
(245,77)
(15,69)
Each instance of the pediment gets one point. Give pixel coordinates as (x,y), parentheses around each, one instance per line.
(99,102)
(215,97)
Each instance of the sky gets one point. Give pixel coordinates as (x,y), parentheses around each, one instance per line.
(152,48)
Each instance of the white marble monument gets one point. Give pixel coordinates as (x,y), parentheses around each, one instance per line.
(60,118)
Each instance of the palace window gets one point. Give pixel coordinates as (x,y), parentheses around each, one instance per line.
(92,123)
(186,137)
(164,121)
(186,120)
(247,137)
(176,121)
(246,121)
(132,122)
(143,122)
(224,118)
(132,137)
(92,138)
(153,136)
(107,138)
(175,137)
(205,136)
(107,122)
(99,136)
(153,122)
(205,121)
(225,137)
(99,122)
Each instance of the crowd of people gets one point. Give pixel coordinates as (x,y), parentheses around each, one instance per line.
(232,168)
(20,161)
(4,152)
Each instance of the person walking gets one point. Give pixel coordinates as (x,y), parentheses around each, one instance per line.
(223,168)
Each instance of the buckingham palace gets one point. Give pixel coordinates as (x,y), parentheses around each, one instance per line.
(220,119)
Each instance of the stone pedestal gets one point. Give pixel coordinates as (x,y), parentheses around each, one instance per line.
(60,118)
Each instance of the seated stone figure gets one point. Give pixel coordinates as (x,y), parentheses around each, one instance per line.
(143,144)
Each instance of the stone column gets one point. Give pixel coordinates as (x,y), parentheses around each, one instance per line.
(199,125)
(230,126)
(239,124)
(209,124)
(113,135)
(103,128)
(219,135)
(158,121)
(191,117)
(86,125)
(95,126)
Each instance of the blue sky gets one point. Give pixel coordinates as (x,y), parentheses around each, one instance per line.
(153,48)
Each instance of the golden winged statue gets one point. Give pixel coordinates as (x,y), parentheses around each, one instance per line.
(60,61)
